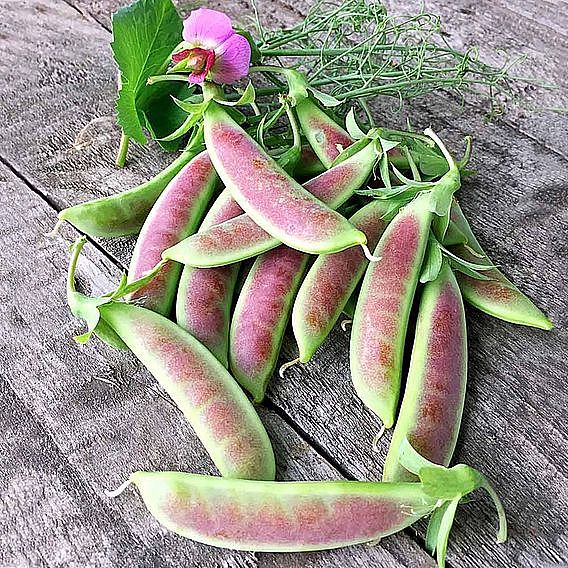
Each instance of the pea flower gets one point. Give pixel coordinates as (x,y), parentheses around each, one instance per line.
(212,49)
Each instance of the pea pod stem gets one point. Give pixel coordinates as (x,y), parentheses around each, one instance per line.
(122,150)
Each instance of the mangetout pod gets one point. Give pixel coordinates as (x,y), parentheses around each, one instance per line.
(175,215)
(431,411)
(280,516)
(241,238)
(381,317)
(325,136)
(261,315)
(124,213)
(331,281)
(211,400)
(273,200)
(205,295)
(498,297)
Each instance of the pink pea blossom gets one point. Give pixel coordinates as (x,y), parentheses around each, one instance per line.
(212,49)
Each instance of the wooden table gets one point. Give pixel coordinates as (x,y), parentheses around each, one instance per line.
(77,420)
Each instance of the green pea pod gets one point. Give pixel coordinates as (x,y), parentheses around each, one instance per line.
(381,317)
(324,135)
(175,215)
(213,403)
(304,515)
(241,238)
(204,295)
(261,315)
(331,281)
(124,213)
(273,200)
(432,405)
(498,297)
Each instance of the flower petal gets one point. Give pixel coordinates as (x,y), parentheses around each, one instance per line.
(232,60)
(207,28)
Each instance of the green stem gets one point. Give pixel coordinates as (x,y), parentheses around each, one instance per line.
(502,533)
(161,78)
(75,252)
(122,150)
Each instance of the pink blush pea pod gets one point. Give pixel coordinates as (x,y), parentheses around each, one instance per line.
(498,297)
(280,516)
(261,315)
(174,216)
(325,136)
(273,200)
(331,281)
(432,405)
(205,294)
(213,403)
(381,317)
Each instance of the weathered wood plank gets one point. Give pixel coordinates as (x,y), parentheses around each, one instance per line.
(99,416)
(70,72)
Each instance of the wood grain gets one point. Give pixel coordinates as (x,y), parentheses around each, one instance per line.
(92,433)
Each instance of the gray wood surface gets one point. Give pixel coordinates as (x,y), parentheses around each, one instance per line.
(78,419)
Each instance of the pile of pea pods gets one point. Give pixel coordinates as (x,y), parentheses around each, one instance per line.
(326,236)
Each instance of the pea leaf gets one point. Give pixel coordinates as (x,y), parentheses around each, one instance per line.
(144,35)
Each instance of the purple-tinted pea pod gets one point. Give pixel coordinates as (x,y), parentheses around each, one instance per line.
(210,399)
(205,294)
(273,200)
(124,213)
(301,516)
(432,405)
(325,136)
(381,317)
(261,315)
(175,216)
(242,238)
(331,281)
(216,407)
(498,297)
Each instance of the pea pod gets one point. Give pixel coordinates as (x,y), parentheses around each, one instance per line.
(210,399)
(331,281)
(498,297)
(242,238)
(308,165)
(432,405)
(273,200)
(124,213)
(174,216)
(261,315)
(381,317)
(324,135)
(303,515)
(205,294)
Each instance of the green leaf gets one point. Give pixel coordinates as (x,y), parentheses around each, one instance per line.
(162,116)
(144,35)
(432,261)
(247,97)
(352,127)
(325,99)
(442,483)
(444,529)
(434,527)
